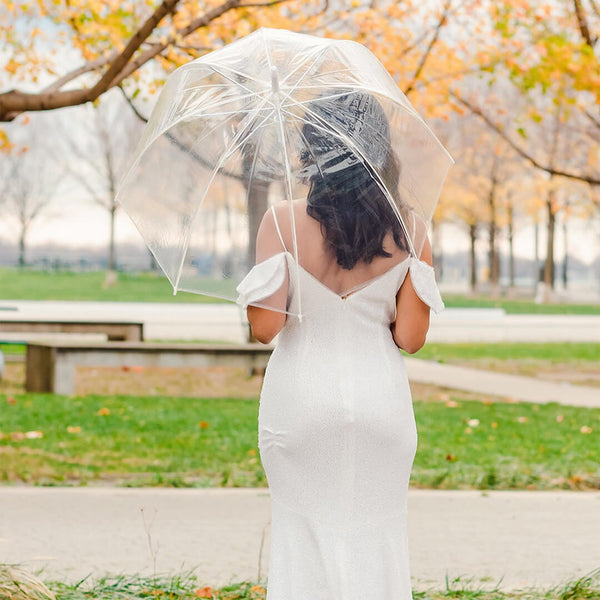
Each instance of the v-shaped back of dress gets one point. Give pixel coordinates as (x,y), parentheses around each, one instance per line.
(299,275)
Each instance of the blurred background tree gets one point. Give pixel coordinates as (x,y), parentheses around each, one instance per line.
(512,88)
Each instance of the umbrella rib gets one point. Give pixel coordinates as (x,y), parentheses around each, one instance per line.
(319,87)
(218,166)
(245,75)
(222,74)
(295,86)
(288,180)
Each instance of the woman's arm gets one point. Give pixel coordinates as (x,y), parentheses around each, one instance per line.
(409,330)
(265,324)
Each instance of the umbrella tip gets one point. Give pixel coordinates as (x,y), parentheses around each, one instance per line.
(274,80)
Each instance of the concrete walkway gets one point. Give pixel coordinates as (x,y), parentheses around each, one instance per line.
(517,387)
(227,321)
(518,538)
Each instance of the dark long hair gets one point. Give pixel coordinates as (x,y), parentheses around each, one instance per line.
(346,193)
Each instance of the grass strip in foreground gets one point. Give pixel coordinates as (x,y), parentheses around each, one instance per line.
(167,441)
(187,586)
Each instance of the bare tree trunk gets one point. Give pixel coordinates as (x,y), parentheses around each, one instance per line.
(494,257)
(511,245)
(473,266)
(536,260)
(258,202)
(551,225)
(565,269)
(153,263)
(436,244)
(549,266)
(112,260)
(22,246)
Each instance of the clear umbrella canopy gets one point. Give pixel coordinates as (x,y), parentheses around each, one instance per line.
(259,123)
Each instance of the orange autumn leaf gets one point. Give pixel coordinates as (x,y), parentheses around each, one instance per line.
(103,412)
(205,592)
(203,424)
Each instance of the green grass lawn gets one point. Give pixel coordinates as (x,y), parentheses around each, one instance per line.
(131,287)
(154,287)
(188,586)
(206,442)
(520,306)
(565,352)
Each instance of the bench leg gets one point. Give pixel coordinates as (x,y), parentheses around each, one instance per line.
(63,376)
(38,368)
(48,371)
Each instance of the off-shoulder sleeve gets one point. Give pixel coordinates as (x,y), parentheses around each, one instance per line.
(263,280)
(423,280)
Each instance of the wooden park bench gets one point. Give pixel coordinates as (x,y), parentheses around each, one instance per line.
(114,330)
(50,367)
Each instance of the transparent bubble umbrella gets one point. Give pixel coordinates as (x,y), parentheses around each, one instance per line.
(252,125)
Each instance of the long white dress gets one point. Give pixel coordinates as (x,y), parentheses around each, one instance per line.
(337,438)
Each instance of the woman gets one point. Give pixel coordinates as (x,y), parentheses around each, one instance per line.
(337,433)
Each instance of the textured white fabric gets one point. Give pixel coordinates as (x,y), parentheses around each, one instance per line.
(422,277)
(263,280)
(337,439)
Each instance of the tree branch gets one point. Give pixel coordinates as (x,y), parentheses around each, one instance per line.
(138,38)
(432,43)
(550,169)
(263,4)
(14,102)
(196,24)
(583,24)
(178,144)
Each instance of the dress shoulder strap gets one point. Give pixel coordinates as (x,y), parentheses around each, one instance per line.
(277,227)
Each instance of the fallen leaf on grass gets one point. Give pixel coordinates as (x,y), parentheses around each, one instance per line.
(73,429)
(205,592)
(586,429)
(103,412)
(203,424)
(473,422)
(11,400)
(494,425)
(522,419)
(560,418)
(451,404)
(450,457)
(17,436)
(33,435)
